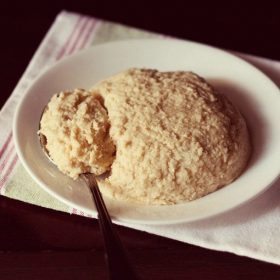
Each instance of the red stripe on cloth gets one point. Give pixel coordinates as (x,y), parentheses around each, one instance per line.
(91,28)
(5,160)
(4,147)
(4,179)
(77,39)
(74,32)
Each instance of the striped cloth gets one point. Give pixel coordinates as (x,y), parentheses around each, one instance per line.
(251,230)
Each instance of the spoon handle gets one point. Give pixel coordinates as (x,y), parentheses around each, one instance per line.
(117,261)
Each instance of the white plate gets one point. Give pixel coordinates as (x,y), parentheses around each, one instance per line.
(255,95)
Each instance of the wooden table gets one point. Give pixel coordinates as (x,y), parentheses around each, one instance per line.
(37,243)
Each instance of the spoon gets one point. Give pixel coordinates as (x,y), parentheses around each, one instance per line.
(118,264)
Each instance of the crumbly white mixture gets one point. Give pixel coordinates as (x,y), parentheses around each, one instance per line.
(76,128)
(176,138)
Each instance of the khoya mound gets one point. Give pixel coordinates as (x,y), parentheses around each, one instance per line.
(166,137)
(176,138)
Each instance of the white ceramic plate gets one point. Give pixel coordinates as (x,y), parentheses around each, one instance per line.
(253,93)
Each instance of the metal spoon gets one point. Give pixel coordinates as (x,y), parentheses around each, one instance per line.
(118,264)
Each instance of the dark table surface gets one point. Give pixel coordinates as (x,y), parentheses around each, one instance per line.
(37,243)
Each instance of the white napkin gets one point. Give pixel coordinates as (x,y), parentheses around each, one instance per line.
(251,230)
